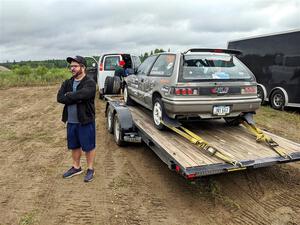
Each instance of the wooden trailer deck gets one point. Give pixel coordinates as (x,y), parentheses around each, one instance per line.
(190,161)
(237,142)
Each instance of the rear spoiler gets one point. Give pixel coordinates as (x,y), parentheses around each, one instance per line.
(228,51)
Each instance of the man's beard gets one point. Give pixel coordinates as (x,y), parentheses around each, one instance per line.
(78,73)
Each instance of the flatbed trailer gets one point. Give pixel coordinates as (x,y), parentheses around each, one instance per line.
(134,124)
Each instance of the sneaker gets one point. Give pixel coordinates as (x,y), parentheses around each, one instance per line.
(72,172)
(89,175)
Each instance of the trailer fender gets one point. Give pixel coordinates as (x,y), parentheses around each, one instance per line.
(123,114)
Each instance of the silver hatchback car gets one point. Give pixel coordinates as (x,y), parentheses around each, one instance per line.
(199,83)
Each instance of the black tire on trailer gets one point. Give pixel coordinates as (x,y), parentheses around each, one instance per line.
(110,121)
(116,85)
(127,99)
(118,135)
(261,94)
(277,100)
(158,113)
(108,85)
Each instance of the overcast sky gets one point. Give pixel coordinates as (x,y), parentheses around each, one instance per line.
(46,29)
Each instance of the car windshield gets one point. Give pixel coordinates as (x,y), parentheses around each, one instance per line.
(214,67)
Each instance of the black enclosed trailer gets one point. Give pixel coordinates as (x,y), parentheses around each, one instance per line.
(275,61)
(134,124)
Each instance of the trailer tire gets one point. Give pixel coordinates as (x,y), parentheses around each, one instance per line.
(118,136)
(277,100)
(158,113)
(110,121)
(127,99)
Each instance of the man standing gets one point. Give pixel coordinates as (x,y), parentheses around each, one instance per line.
(78,96)
(120,70)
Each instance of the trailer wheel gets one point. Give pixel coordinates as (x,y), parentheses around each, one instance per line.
(118,131)
(110,121)
(260,94)
(158,113)
(277,100)
(127,98)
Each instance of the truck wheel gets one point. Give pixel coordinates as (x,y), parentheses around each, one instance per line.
(108,85)
(260,94)
(158,113)
(110,121)
(277,100)
(127,99)
(118,131)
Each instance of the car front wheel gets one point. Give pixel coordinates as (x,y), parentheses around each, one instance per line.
(127,99)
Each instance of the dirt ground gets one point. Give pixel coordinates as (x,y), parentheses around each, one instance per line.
(132,185)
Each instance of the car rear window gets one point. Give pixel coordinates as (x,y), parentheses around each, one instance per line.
(111,62)
(213,67)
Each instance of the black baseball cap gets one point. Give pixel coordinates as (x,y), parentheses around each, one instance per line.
(77,58)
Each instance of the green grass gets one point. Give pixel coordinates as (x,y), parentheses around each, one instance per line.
(282,123)
(26,76)
(28,219)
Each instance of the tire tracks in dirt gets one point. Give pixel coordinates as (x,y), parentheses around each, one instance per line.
(132,185)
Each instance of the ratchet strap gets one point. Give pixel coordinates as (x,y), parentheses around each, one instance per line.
(204,146)
(260,136)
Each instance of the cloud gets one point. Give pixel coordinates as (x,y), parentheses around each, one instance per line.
(55,29)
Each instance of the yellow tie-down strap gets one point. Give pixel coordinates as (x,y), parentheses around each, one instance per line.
(261,136)
(203,145)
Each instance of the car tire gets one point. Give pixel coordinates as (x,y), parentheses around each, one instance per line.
(261,94)
(118,136)
(158,113)
(233,121)
(277,100)
(108,85)
(110,121)
(127,99)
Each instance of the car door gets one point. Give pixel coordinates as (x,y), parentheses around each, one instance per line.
(159,75)
(143,78)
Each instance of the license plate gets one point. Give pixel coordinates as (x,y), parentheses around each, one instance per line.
(221,110)
(133,139)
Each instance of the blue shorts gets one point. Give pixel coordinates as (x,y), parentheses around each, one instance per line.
(81,136)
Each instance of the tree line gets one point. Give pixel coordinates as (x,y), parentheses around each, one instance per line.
(61,63)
